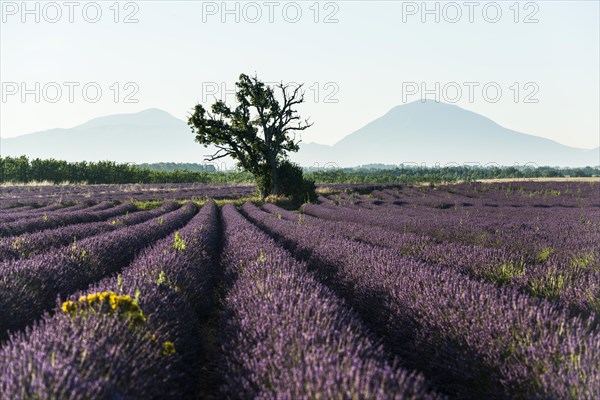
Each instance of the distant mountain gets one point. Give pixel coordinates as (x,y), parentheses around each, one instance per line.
(145,137)
(430,132)
(419,132)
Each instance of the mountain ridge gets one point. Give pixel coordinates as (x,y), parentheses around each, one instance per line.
(426,132)
(437,133)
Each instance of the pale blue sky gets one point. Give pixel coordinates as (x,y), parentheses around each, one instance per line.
(368,55)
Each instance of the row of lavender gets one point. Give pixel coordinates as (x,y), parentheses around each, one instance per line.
(130,336)
(563,266)
(532,216)
(14,196)
(286,336)
(33,243)
(17,226)
(471,338)
(29,286)
(13,214)
(510,194)
(34,197)
(136,335)
(50,210)
(557,193)
(283,333)
(33,222)
(559,236)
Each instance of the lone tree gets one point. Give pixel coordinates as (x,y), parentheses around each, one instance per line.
(258,133)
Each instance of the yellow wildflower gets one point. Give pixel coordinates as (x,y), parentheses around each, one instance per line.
(69,307)
(168,348)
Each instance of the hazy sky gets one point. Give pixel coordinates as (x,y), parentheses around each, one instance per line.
(358,59)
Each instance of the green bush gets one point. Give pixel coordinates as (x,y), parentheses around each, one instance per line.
(292,183)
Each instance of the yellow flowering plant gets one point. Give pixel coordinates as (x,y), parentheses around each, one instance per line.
(121,306)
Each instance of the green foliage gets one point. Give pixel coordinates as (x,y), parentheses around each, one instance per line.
(162,278)
(412,174)
(173,167)
(543,254)
(505,273)
(179,243)
(147,205)
(23,170)
(257,133)
(583,219)
(293,183)
(548,287)
(17,245)
(77,255)
(262,257)
(582,261)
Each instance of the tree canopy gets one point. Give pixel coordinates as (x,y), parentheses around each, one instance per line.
(258,132)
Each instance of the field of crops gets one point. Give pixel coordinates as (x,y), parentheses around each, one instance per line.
(467,291)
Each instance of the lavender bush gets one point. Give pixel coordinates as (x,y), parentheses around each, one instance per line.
(30,286)
(131,336)
(537,350)
(288,337)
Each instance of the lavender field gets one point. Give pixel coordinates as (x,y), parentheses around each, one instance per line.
(465,291)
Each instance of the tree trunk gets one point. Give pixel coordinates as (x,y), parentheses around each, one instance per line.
(274,174)
(263,193)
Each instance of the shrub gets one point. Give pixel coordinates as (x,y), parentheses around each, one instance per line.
(292,183)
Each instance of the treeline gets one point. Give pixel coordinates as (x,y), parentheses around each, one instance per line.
(171,166)
(23,170)
(444,174)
